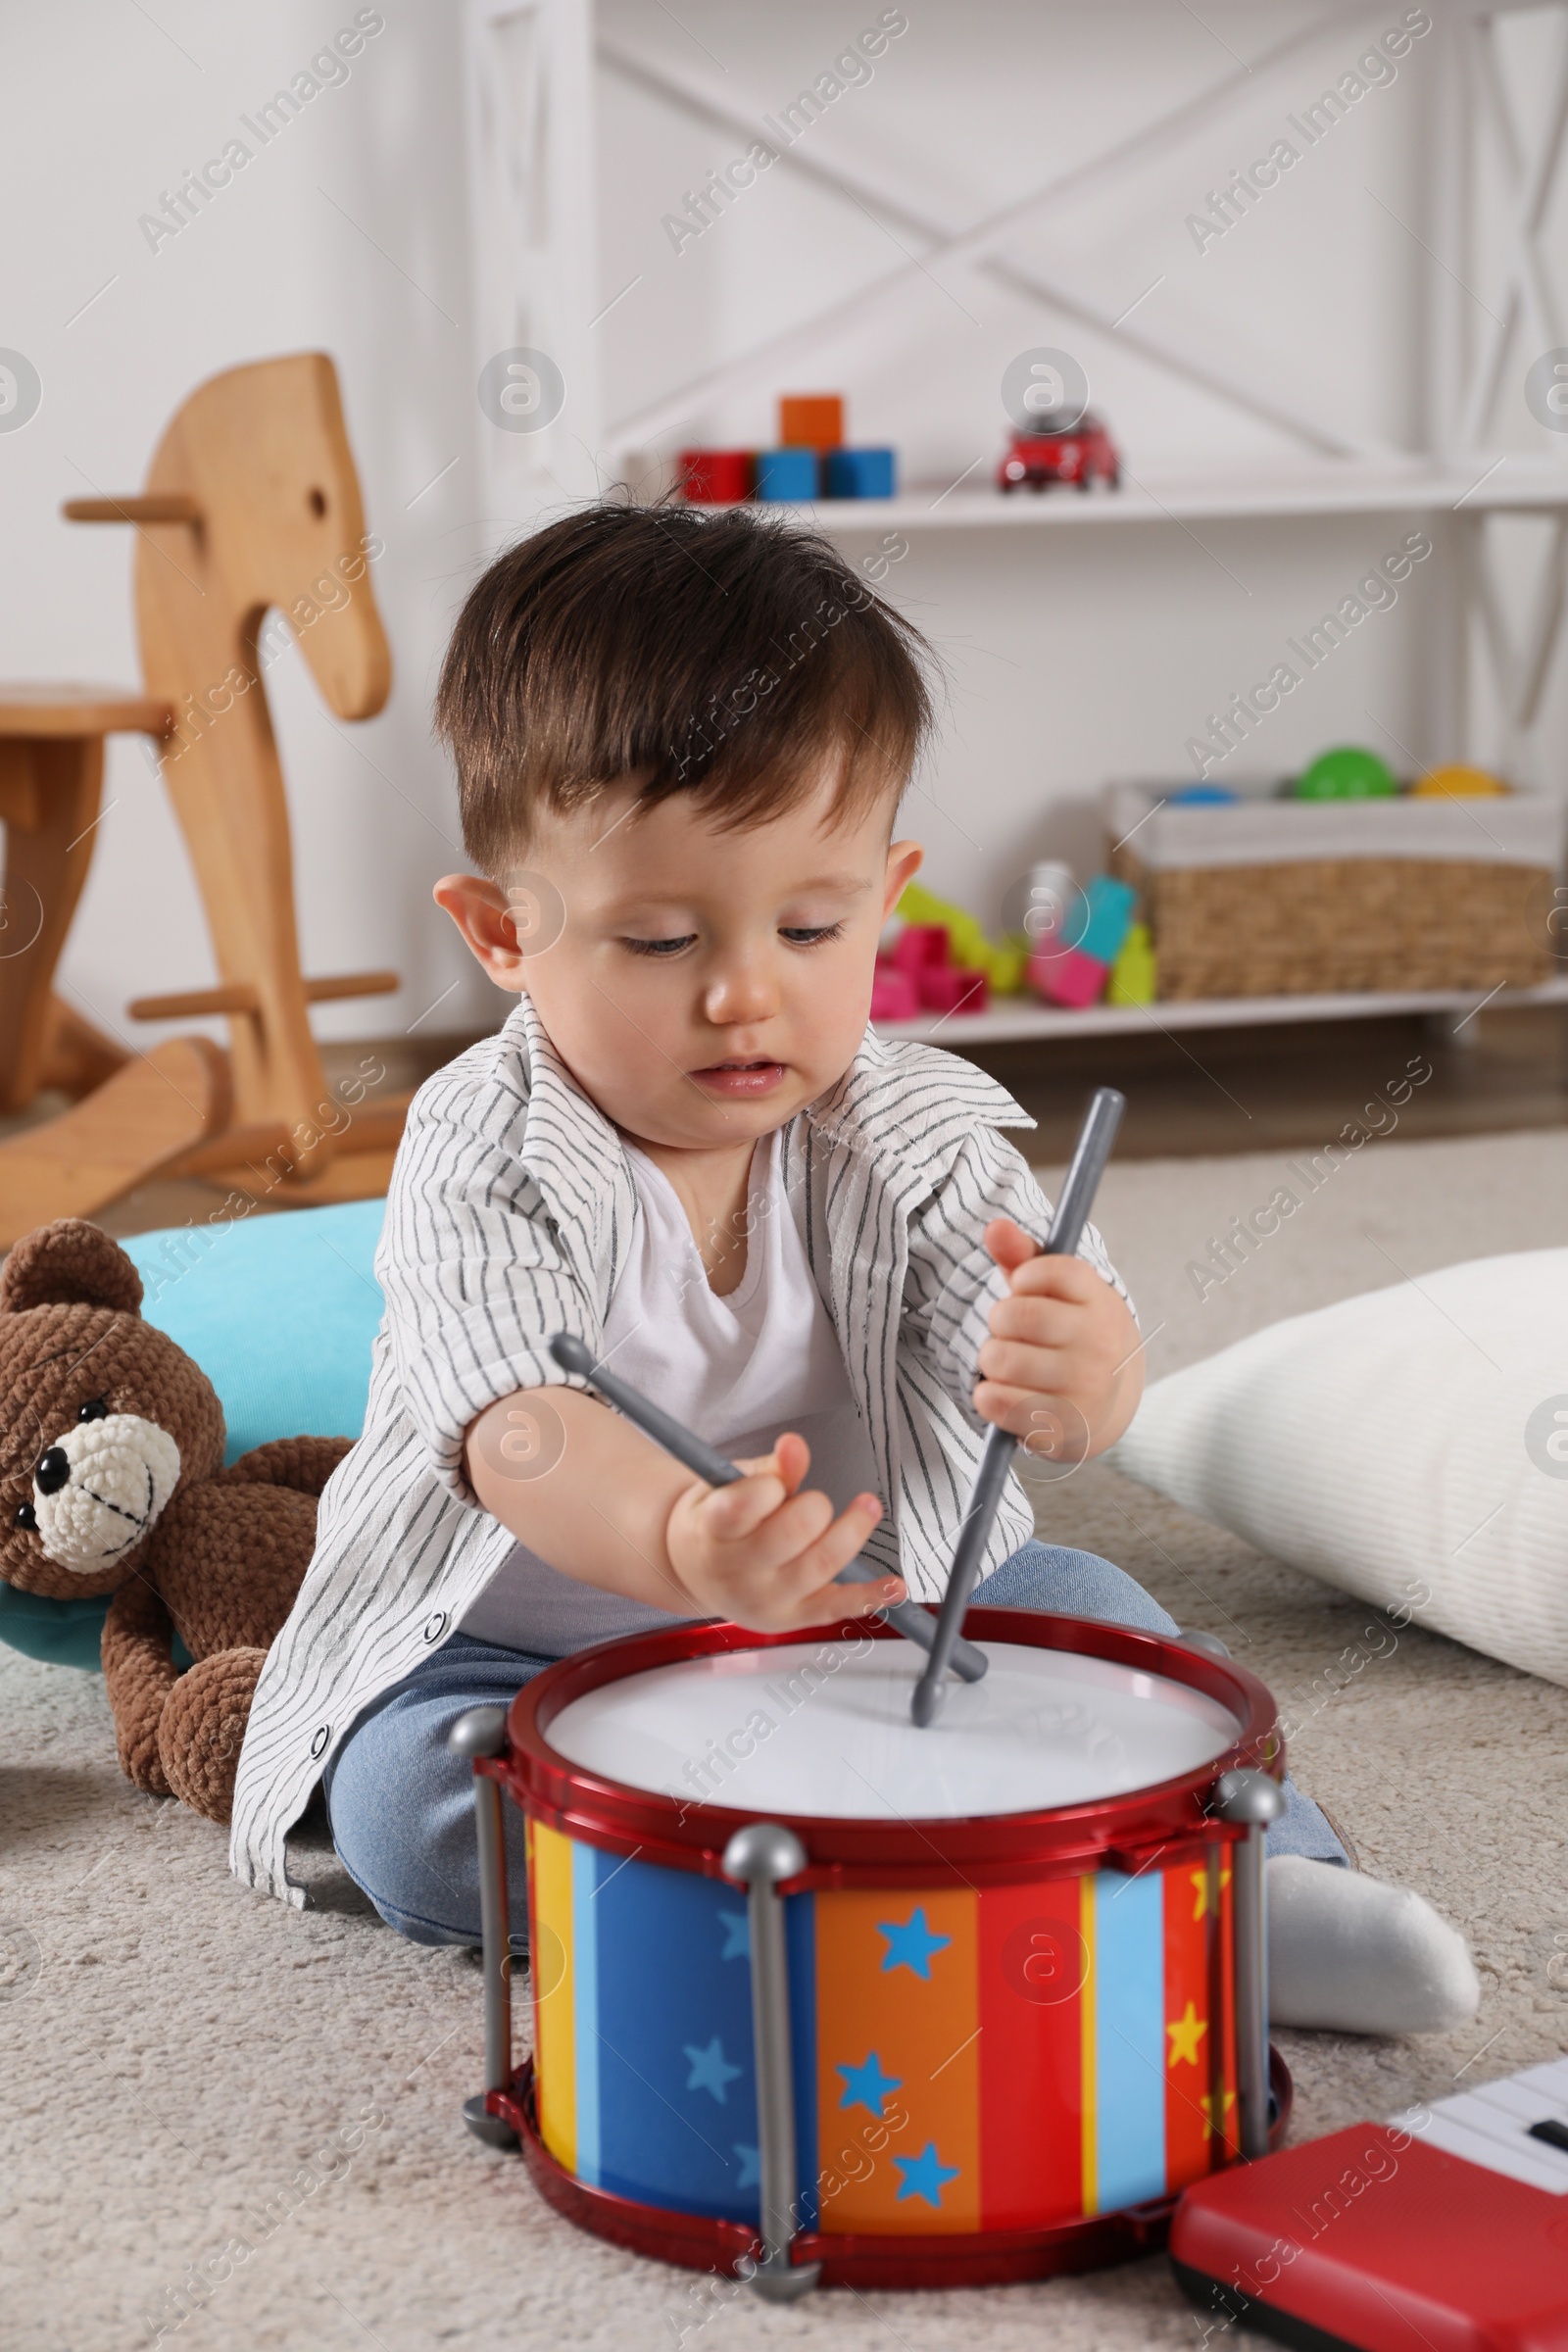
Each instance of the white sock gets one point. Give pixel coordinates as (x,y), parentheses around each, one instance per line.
(1354,1956)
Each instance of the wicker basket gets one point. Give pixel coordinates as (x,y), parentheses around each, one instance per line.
(1416,894)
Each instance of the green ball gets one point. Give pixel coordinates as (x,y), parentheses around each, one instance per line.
(1347,773)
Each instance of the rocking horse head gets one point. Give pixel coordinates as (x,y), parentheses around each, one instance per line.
(256,467)
(250,530)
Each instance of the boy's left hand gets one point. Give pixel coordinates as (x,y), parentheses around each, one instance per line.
(1063,1368)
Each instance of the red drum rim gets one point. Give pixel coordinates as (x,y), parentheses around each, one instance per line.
(1122,1831)
(938,2258)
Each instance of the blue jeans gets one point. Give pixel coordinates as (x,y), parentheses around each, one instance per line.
(401,1804)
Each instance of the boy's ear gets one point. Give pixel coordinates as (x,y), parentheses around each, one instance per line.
(483,915)
(904,861)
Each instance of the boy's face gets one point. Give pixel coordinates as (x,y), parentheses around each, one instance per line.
(702,986)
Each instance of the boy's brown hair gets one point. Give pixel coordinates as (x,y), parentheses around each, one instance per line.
(725,654)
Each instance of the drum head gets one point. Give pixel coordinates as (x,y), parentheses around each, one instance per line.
(822,1729)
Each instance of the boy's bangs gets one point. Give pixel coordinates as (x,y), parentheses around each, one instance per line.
(730,656)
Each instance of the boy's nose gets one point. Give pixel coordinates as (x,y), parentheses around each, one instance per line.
(739,995)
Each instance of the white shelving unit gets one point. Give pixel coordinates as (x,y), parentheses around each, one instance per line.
(531,68)
(1012,1020)
(1511,485)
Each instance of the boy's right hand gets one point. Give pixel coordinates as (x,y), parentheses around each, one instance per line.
(764,1555)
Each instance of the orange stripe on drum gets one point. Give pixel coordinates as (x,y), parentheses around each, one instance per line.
(898,2061)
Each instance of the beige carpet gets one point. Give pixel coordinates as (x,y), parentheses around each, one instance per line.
(186,2067)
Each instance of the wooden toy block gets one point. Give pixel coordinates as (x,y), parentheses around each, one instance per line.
(1008,969)
(810,420)
(1004,962)
(787,475)
(1133,976)
(1106,918)
(967,943)
(1068,977)
(714,477)
(894,993)
(921,944)
(946,988)
(861,473)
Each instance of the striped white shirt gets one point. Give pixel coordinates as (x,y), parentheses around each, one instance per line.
(510,1213)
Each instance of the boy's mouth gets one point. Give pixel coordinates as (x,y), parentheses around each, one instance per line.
(747,1078)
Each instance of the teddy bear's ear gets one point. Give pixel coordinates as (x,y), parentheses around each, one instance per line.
(69,1263)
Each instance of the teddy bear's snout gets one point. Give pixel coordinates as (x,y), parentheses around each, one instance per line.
(97,1490)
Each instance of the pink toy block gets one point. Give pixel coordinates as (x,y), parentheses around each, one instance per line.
(946,989)
(893,993)
(920,946)
(1071,978)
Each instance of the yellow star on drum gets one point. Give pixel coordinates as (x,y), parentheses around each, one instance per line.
(1186,2033)
(1206,2102)
(1199,1879)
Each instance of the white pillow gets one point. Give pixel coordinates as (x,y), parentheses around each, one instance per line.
(1410,1447)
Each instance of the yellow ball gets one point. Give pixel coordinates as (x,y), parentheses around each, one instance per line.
(1458,783)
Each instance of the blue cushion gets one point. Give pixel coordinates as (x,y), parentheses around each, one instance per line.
(279,1313)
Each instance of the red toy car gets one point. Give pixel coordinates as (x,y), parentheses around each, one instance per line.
(1086,457)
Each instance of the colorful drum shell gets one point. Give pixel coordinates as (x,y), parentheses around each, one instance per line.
(1012,2036)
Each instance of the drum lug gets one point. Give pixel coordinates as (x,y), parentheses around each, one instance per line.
(1251,1799)
(480,1732)
(759,1858)
(493,2130)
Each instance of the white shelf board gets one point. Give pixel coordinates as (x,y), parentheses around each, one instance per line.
(1329,487)
(1019,1019)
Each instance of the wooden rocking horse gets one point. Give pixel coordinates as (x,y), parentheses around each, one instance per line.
(252,508)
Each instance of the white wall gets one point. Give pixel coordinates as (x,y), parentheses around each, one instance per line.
(346,234)
(1074,657)
(1070,657)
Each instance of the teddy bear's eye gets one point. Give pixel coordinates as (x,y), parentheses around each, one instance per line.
(26,1517)
(95,1410)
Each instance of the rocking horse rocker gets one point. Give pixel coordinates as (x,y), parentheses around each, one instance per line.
(252,510)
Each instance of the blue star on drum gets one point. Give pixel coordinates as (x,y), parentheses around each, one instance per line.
(925,2176)
(866,2086)
(911,1944)
(711,2070)
(737,1936)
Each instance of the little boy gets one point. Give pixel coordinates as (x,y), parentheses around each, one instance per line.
(681,741)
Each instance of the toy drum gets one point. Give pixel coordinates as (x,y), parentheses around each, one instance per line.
(819,1995)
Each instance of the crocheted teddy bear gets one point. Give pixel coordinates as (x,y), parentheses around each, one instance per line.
(112,1481)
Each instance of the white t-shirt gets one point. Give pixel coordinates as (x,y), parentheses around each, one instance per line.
(740,1371)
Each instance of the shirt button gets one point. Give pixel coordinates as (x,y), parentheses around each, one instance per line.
(322,1736)
(436,1626)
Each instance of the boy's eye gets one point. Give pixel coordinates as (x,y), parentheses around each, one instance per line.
(660,946)
(813,936)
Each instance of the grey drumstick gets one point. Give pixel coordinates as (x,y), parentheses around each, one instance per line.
(708,1463)
(1094,1140)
